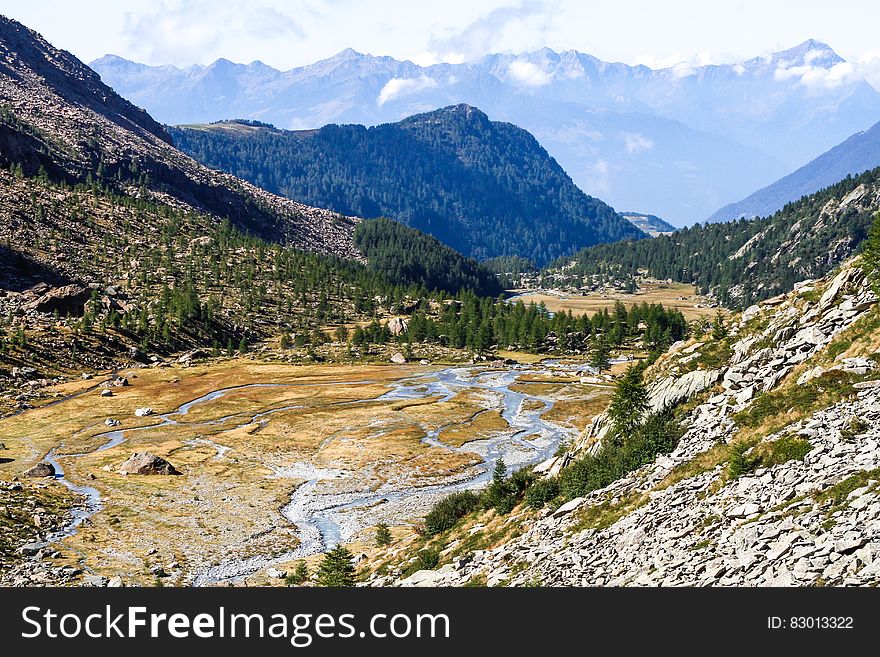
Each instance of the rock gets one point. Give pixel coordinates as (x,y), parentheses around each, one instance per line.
(274,573)
(115,583)
(424,362)
(106,393)
(397,325)
(41,469)
(158,571)
(143,412)
(568,507)
(94,580)
(110,422)
(67,300)
(745,395)
(851,542)
(144,463)
(30,549)
(809,375)
(398,358)
(856,365)
(119,382)
(672,390)
(750,313)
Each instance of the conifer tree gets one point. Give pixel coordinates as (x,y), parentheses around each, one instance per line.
(336,569)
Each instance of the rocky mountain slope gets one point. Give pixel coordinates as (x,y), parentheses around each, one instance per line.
(55,113)
(682,141)
(648,223)
(483,187)
(741,262)
(857,154)
(774,482)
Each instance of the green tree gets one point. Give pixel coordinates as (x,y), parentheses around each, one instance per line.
(336,569)
(600,356)
(719,327)
(299,575)
(871,254)
(629,403)
(383,535)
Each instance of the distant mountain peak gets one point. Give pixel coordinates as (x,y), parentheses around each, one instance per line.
(811,51)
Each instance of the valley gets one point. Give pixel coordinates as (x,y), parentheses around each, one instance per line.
(281,462)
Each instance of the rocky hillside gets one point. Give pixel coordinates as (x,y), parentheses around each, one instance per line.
(775,479)
(483,187)
(56,115)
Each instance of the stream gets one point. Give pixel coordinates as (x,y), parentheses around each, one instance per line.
(325,518)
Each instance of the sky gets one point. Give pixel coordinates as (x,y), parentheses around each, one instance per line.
(286,34)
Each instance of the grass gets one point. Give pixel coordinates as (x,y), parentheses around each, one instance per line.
(837,494)
(601,516)
(765,455)
(774,408)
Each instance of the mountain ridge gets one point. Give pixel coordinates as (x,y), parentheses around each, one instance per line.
(682,141)
(487,188)
(857,154)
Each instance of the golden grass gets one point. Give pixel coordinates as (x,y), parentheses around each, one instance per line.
(679,296)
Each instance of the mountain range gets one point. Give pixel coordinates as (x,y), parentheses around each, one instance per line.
(677,142)
(857,154)
(486,188)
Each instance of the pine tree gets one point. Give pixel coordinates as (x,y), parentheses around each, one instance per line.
(871,254)
(299,575)
(629,403)
(599,358)
(383,535)
(336,569)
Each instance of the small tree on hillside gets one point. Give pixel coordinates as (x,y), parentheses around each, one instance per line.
(336,569)
(719,328)
(383,535)
(871,254)
(600,357)
(629,403)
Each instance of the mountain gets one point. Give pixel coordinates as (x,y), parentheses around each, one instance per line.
(755,462)
(483,187)
(648,223)
(683,141)
(857,154)
(118,247)
(58,115)
(744,261)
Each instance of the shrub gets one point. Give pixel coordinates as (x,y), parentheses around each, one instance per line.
(427,559)
(542,491)
(739,464)
(448,511)
(658,435)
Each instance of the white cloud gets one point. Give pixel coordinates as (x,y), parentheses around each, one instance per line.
(528,74)
(636,143)
(818,77)
(397,87)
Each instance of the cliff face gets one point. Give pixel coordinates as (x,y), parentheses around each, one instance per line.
(776,480)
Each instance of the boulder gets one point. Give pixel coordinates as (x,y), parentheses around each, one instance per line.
(67,300)
(144,463)
(274,573)
(106,393)
(143,412)
(398,358)
(41,469)
(397,325)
